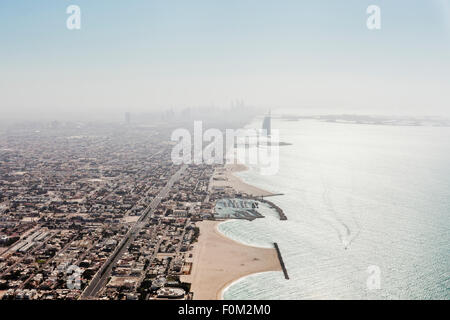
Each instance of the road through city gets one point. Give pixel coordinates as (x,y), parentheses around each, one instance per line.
(101,277)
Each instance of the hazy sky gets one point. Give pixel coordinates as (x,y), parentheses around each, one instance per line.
(143,55)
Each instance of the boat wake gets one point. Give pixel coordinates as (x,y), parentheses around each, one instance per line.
(345,234)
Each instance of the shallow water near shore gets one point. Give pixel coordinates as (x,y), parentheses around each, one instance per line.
(355,196)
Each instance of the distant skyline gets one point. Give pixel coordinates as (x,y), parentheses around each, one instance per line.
(142,56)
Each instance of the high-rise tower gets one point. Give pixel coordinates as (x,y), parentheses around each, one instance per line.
(267,124)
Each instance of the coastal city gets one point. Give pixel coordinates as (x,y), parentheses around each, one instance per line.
(222,159)
(93,212)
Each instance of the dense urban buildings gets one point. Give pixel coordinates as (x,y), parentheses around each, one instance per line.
(99,212)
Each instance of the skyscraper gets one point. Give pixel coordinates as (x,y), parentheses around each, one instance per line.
(267,124)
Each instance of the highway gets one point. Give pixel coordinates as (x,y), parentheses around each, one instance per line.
(101,277)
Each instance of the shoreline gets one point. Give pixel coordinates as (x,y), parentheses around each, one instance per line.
(230,283)
(219,261)
(219,222)
(220,295)
(226,178)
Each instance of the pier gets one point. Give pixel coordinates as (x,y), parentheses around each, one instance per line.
(274,195)
(283,267)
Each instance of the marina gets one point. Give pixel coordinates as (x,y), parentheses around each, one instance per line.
(247,209)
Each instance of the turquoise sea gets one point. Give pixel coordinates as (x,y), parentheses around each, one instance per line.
(356,196)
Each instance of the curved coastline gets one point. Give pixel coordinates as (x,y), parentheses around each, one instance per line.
(218,261)
(220,294)
(236,240)
(227,178)
(234,171)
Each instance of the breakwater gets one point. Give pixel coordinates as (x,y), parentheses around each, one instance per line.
(283,267)
(273,205)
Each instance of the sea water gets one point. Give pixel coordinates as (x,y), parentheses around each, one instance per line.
(358,198)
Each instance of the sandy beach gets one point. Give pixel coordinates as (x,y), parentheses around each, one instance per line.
(225,177)
(218,261)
